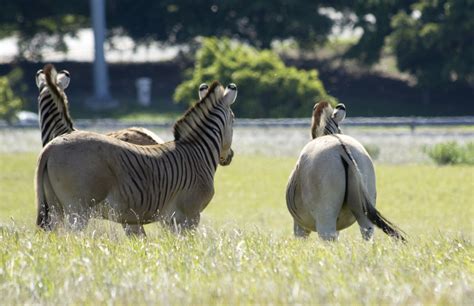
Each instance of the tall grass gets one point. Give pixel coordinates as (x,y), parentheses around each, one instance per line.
(244,252)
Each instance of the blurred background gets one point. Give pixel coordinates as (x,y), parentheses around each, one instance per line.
(380,58)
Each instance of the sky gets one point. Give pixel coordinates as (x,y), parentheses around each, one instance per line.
(81,48)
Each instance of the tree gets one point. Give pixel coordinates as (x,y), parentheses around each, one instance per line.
(255,22)
(432,39)
(267,88)
(10,103)
(374,18)
(436,42)
(44,23)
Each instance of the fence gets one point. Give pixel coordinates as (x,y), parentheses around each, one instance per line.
(411,122)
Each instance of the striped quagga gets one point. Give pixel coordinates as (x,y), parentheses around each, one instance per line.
(333,183)
(54,114)
(84,174)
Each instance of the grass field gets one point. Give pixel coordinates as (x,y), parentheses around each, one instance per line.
(243,251)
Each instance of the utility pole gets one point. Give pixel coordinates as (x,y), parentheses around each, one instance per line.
(102,98)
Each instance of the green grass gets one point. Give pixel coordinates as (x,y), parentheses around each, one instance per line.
(243,251)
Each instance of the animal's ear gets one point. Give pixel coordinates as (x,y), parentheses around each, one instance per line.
(203,88)
(339,113)
(40,79)
(230,94)
(63,78)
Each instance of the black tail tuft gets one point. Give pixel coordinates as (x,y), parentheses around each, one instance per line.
(381,222)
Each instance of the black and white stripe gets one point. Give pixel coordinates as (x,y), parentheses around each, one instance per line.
(52,103)
(156,174)
(325,119)
(172,182)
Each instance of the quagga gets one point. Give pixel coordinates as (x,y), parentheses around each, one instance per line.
(333,183)
(83,174)
(325,120)
(54,114)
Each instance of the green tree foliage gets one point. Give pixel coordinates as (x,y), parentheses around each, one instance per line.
(432,39)
(436,43)
(374,18)
(267,88)
(44,23)
(9,102)
(255,22)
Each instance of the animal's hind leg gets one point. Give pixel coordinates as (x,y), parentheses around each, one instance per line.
(325,214)
(367,232)
(366,227)
(299,231)
(55,213)
(134,230)
(326,227)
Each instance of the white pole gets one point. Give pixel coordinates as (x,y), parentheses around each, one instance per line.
(101,98)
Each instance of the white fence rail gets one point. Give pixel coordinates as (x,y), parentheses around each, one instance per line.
(411,122)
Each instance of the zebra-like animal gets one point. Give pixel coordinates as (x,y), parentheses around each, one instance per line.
(325,120)
(54,116)
(84,174)
(333,183)
(53,104)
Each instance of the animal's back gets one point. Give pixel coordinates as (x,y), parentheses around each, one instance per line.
(325,153)
(86,169)
(78,165)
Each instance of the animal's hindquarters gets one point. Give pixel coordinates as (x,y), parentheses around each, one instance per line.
(323,186)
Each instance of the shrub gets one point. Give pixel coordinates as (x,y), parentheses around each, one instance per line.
(9,102)
(451,153)
(373,150)
(267,88)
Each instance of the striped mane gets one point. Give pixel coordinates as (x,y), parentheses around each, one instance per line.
(322,121)
(196,114)
(58,95)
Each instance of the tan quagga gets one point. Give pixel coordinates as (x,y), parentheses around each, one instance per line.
(333,183)
(84,174)
(54,116)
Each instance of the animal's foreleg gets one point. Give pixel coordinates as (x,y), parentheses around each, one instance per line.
(134,230)
(191,223)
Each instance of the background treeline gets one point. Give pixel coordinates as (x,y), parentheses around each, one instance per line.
(432,41)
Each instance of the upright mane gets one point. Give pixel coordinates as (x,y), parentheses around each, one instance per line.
(197,113)
(322,121)
(58,95)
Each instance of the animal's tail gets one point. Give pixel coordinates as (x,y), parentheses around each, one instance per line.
(291,192)
(359,194)
(41,178)
(58,95)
